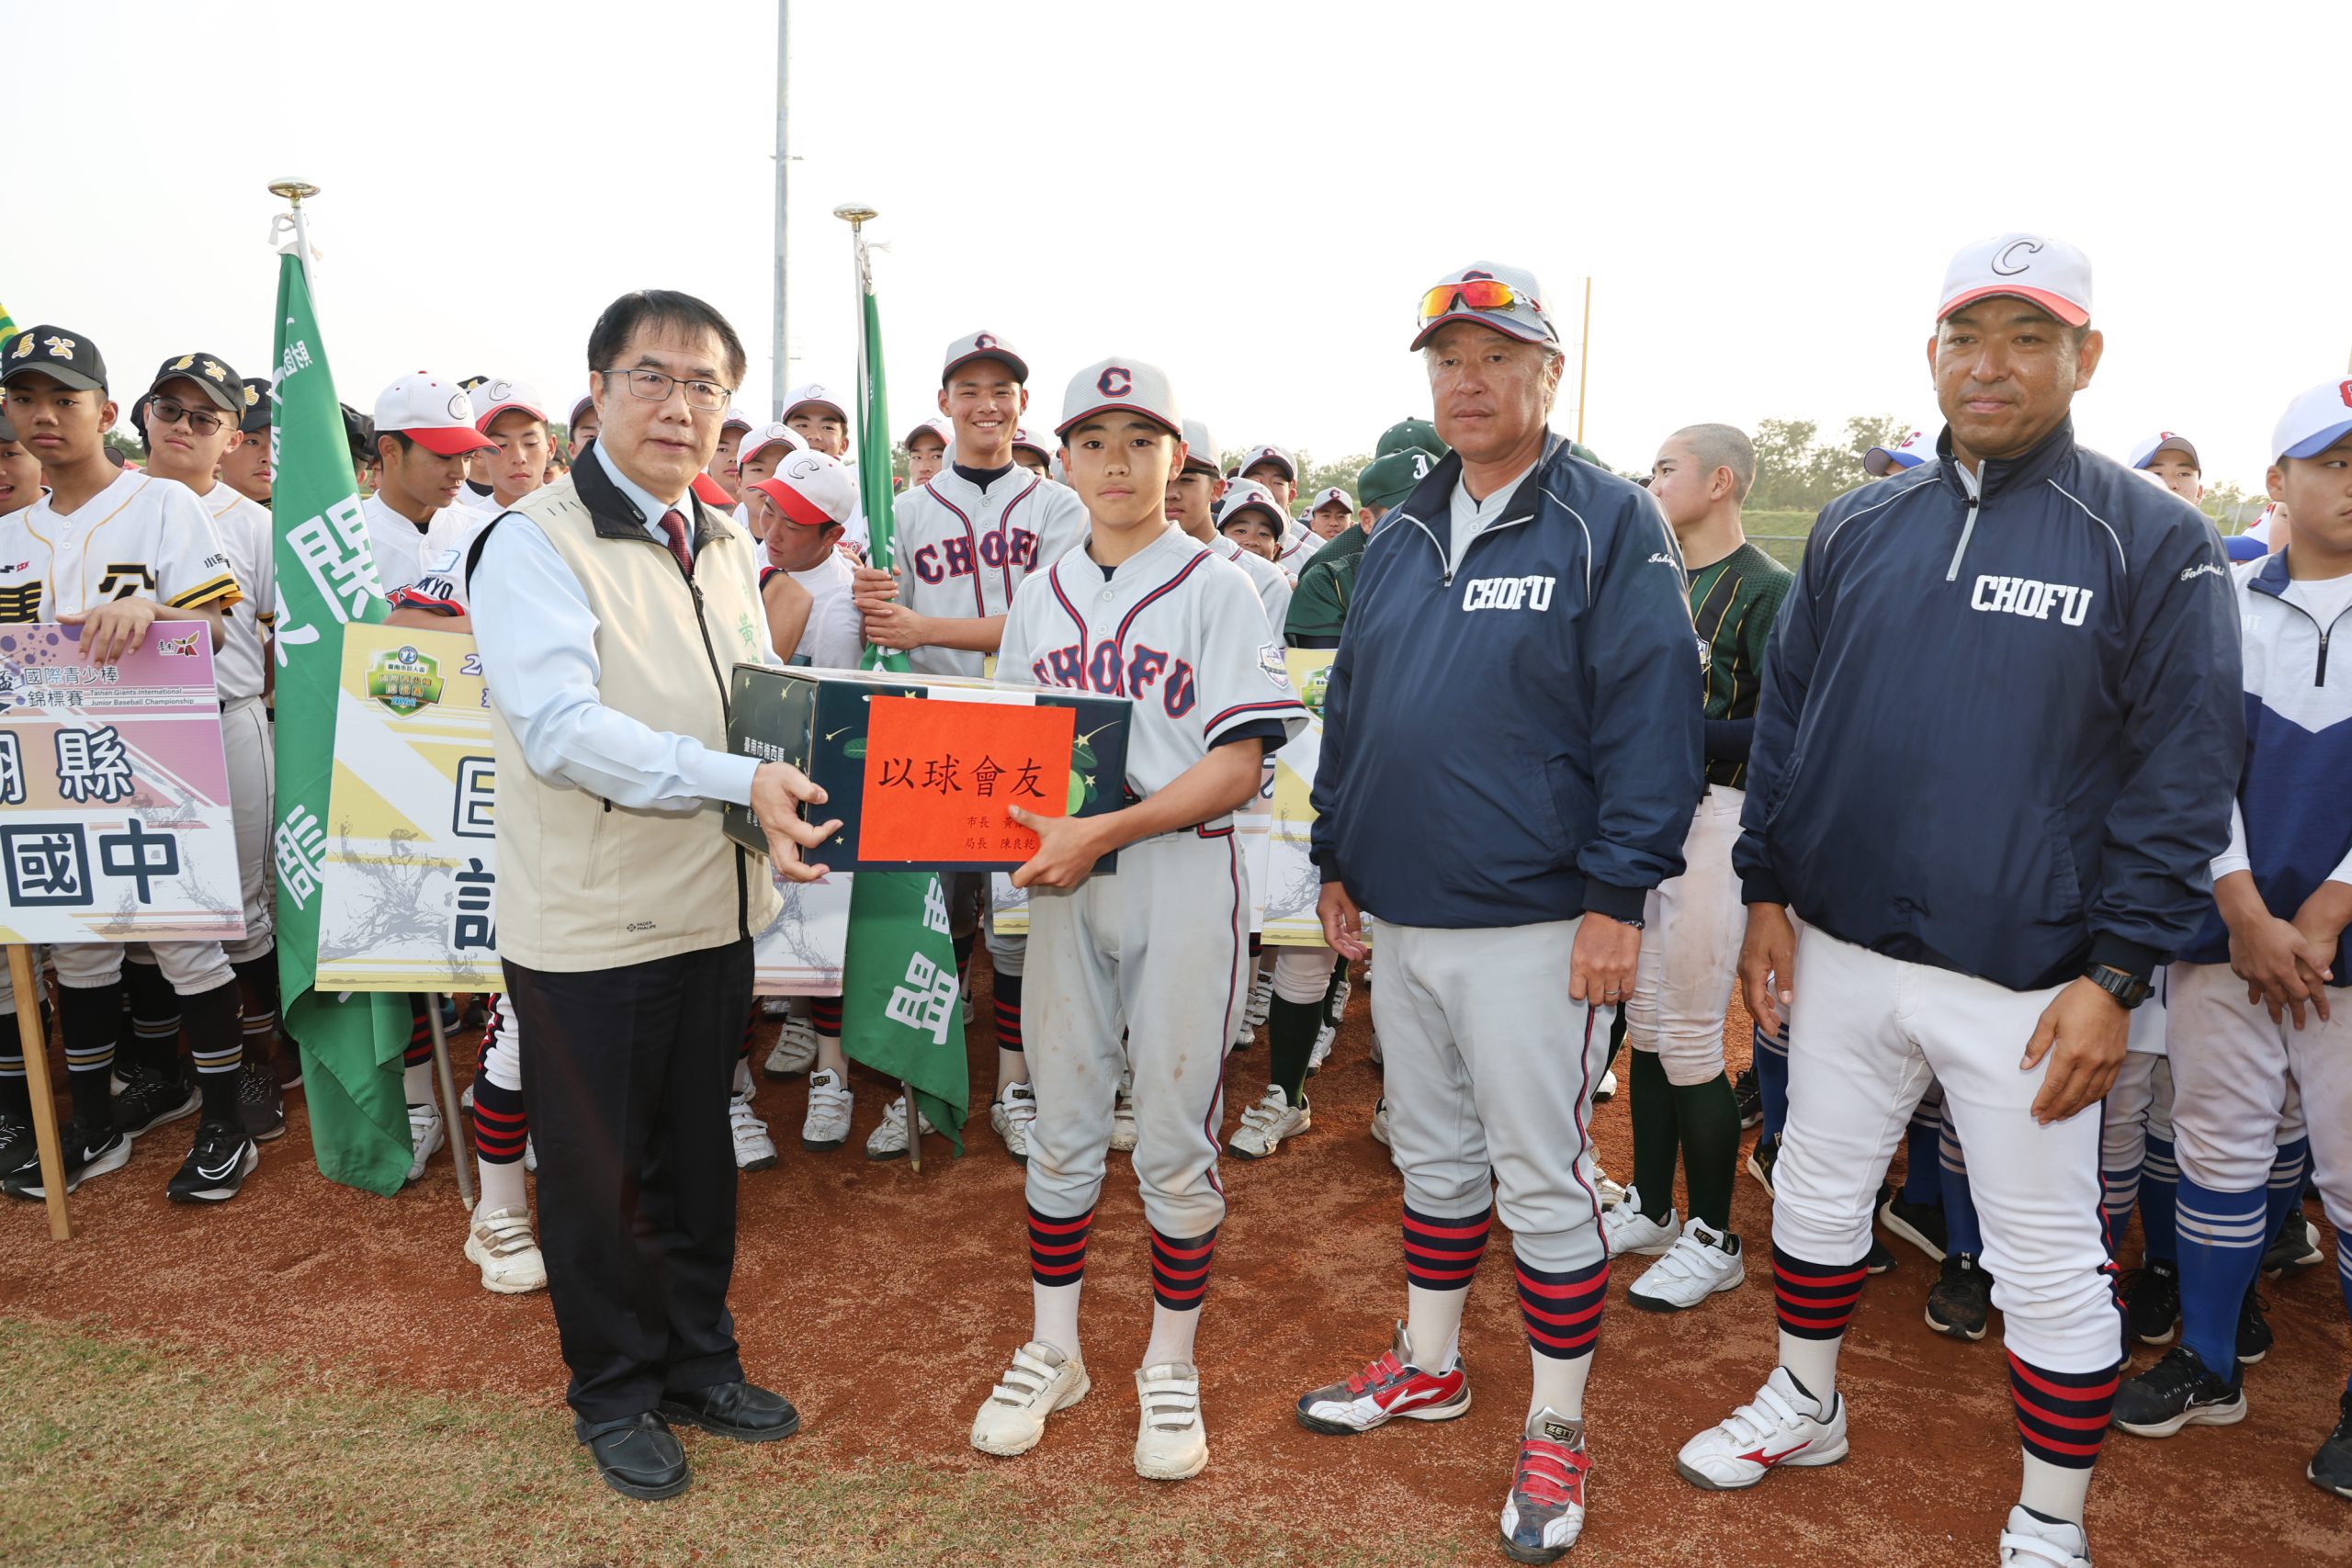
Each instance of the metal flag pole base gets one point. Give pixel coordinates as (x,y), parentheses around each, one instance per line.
(458,1154)
(34,1043)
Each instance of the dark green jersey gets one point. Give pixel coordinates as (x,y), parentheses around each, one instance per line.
(1733,603)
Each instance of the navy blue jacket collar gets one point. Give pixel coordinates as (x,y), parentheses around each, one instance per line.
(1434,495)
(2041,461)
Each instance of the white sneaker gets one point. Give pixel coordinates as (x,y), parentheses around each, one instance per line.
(1784,1426)
(1012,1116)
(1627,1229)
(1606,1088)
(1040,1381)
(502,1245)
(754,1150)
(830,1101)
(1170,1442)
(1544,1511)
(1123,1116)
(1380,1121)
(1265,1124)
(776,1006)
(889,1139)
(1611,1193)
(795,1050)
(1340,997)
(425,1136)
(1701,1262)
(2031,1541)
(1261,999)
(1322,1051)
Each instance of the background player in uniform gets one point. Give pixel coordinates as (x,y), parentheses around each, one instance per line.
(1519,665)
(1191,506)
(246,467)
(580,429)
(1251,519)
(967,541)
(1334,510)
(1999,940)
(114,551)
(510,416)
(2259,999)
(926,446)
(1034,453)
(1675,1022)
(722,462)
(2174,460)
(1140,609)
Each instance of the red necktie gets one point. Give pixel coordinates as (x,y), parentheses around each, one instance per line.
(673,527)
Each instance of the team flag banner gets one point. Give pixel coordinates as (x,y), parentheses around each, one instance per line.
(1292,883)
(410,868)
(900,988)
(114,794)
(326,582)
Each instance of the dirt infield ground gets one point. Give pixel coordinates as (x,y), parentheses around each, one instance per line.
(311,1374)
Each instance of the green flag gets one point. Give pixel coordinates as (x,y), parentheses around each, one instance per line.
(326,577)
(899,990)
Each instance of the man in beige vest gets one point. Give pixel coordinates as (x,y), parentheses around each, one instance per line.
(611,606)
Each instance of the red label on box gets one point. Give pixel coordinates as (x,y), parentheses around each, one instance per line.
(939,776)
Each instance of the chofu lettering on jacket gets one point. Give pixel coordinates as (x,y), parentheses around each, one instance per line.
(1175,629)
(964,551)
(139,538)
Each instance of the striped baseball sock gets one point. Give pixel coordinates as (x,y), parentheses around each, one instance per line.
(154,1020)
(216,1043)
(1057,1247)
(1008,1012)
(2288,1167)
(90,1020)
(2221,1238)
(1813,1302)
(500,1125)
(2062,1420)
(825,1016)
(1772,1062)
(1963,1232)
(416,1062)
(2159,1193)
(1562,1311)
(1179,1268)
(1922,1172)
(1443,1254)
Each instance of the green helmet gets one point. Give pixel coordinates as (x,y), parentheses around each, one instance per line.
(1388,479)
(1410,436)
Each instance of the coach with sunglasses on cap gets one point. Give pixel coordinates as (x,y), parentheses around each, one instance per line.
(608,607)
(1519,671)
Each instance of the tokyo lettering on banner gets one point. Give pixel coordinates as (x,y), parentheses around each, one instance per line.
(115,823)
(1292,884)
(410,868)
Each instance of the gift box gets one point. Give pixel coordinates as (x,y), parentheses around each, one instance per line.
(922,768)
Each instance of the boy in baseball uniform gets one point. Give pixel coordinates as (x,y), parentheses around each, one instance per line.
(2259,1000)
(1144,611)
(114,551)
(1191,506)
(966,540)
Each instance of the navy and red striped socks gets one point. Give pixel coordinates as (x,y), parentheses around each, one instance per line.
(1179,1268)
(1443,1254)
(2061,1416)
(500,1125)
(1057,1247)
(1562,1311)
(1008,1012)
(1814,1300)
(825,1016)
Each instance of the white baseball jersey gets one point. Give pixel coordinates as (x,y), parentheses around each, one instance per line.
(1174,629)
(402,549)
(1273,583)
(243,527)
(835,635)
(964,551)
(139,538)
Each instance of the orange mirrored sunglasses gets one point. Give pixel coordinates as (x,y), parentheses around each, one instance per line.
(1472,294)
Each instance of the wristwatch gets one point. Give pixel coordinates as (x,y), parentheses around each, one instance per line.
(2128,990)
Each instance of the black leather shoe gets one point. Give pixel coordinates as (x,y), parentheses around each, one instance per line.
(743,1411)
(637,1455)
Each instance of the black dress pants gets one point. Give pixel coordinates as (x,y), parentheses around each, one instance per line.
(625,1075)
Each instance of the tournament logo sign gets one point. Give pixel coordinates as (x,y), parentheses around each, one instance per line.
(404,681)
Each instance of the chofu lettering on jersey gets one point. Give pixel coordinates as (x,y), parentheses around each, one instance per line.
(2034,601)
(1508,593)
(139,538)
(1175,629)
(963,549)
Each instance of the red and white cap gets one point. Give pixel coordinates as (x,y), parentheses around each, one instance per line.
(939,427)
(1200,448)
(496,395)
(2166,441)
(2314,421)
(1121,384)
(1908,453)
(765,436)
(1272,454)
(811,490)
(983,346)
(1241,495)
(817,393)
(2051,272)
(1331,495)
(432,411)
(736,420)
(1037,444)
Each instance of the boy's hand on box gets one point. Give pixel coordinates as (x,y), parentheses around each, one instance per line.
(1067,847)
(778,790)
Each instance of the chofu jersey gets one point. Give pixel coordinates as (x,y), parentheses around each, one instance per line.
(1733,603)
(964,551)
(139,538)
(1173,627)
(244,529)
(404,550)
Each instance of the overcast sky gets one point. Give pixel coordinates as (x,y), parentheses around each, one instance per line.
(1252,193)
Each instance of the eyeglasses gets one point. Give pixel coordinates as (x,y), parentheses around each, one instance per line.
(169,412)
(653,386)
(1474,294)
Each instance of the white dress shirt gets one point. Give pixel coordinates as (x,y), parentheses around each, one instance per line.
(537,640)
